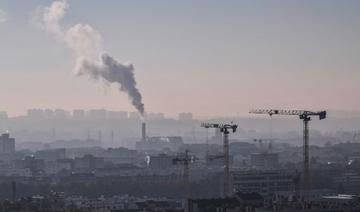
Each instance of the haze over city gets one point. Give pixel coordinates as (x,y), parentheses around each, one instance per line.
(208,58)
(179,106)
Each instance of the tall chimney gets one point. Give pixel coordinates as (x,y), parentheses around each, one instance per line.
(143,132)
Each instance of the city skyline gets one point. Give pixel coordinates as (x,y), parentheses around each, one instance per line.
(211,59)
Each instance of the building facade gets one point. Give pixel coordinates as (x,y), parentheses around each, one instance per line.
(7,144)
(264,182)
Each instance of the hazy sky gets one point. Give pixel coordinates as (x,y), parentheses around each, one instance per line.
(209,57)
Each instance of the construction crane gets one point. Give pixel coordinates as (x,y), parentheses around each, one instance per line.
(306,117)
(186,160)
(225,130)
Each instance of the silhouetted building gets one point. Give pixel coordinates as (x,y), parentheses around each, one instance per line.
(134,115)
(78,114)
(35,113)
(264,160)
(238,202)
(122,156)
(35,165)
(51,154)
(88,163)
(118,115)
(75,143)
(48,113)
(60,114)
(264,182)
(161,161)
(348,183)
(98,114)
(172,143)
(185,116)
(3,115)
(155,116)
(7,144)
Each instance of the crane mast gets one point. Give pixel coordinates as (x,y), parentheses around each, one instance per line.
(306,117)
(225,130)
(185,160)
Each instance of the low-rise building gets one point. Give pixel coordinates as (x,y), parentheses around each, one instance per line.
(264,182)
(161,161)
(88,163)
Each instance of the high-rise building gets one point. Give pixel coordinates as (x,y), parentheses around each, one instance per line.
(78,114)
(264,160)
(97,114)
(7,144)
(48,113)
(60,114)
(185,116)
(118,115)
(134,115)
(155,116)
(3,115)
(264,182)
(161,161)
(35,113)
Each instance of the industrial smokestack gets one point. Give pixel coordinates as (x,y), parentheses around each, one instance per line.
(91,58)
(143,132)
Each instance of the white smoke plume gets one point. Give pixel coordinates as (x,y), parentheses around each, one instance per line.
(3,16)
(91,58)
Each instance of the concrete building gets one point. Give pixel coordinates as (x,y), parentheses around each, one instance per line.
(78,114)
(97,114)
(161,161)
(122,156)
(7,144)
(51,154)
(3,115)
(48,114)
(61,114)
(155,116)
(238,202)
(264,182)
(117,115)
(264,160)
(88,163)
(348,183)
(134,116)
(35,165)
(172,143)
(35,113)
